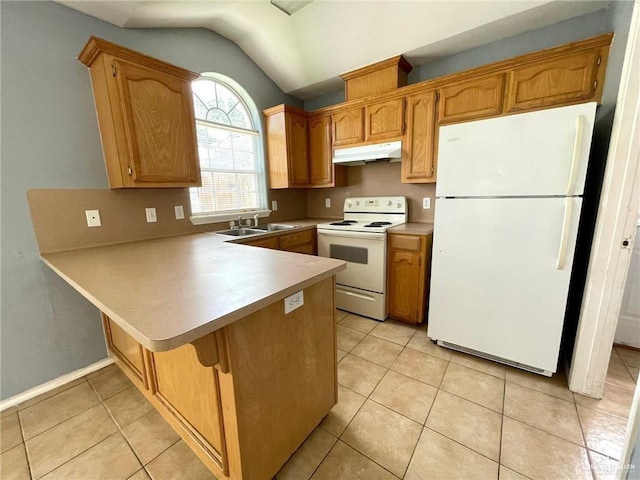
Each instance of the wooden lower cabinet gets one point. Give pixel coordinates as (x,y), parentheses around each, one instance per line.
(245,397)
(408,269)
(304,241)
(269,242)
(128,353)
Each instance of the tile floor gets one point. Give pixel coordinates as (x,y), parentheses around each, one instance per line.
(408,409)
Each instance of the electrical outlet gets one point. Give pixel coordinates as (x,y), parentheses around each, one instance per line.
(93,218)
(293,301)
(426,203)
(327,202)
(151,215)
(179,212)
(274,205)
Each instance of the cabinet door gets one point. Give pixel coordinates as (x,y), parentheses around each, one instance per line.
(384,119)
(321,168)
(418,162)
(347,127)
(478,98)
(301,242)
(564,80)
(297,153)
(127,350)
(407,277)
(159,127)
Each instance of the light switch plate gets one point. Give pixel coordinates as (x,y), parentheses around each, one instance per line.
(179,212)
(151,215)
(327,202)
(93,218)
(274,205)
(293,301)
(426,203)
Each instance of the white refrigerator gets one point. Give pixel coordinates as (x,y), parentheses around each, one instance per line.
(508,201)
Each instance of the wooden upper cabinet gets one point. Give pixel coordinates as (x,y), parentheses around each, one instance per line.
(384,119)
(145,113)
(472,99)
(418,159)
(320,166)
(564,80)
(287,151)
(348,126)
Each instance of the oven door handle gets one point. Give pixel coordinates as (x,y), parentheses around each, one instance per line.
(338,234)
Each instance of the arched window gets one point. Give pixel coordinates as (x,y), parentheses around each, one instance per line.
(231,157)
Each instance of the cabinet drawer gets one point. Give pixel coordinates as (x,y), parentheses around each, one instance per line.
(405,242)
(271,242)
(478,98)
(290,241)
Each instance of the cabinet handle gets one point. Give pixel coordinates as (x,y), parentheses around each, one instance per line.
(113,69)
(129,171)
(595,84)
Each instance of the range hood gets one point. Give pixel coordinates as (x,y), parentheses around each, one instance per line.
(391,152)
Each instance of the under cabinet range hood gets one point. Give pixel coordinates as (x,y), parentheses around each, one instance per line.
(391,152)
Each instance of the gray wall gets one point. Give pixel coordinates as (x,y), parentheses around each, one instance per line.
(50,139)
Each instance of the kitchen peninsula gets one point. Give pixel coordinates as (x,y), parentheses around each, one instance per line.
(201,327)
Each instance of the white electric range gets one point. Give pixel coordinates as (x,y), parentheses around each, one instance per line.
(360,239)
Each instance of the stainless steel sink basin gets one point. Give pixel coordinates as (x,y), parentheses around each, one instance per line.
(274,227)
(240,232)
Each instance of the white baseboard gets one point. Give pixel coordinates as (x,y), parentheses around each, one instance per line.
(55,383)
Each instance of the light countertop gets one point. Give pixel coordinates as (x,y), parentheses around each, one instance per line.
(170,291)
(413,228)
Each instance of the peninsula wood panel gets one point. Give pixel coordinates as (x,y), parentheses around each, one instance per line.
(348,126)
(419,157)
(478,98)
(127,350)
(384,120)
(560,81)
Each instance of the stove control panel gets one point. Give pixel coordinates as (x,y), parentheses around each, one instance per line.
(376,204)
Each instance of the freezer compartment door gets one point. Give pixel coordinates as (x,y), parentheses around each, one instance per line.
(500,275)
(530,154)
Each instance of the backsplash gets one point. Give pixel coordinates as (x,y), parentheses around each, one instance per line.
(376,179)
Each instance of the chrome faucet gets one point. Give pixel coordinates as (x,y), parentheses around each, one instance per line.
(255,220)
(240,221)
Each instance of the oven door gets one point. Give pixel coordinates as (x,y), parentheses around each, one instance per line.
(364,253)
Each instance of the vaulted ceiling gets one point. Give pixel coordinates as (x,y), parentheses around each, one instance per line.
(304,53)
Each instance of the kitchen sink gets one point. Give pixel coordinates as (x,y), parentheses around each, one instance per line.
(240,232)
(274,227)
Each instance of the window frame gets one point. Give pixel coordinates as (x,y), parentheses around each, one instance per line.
(201,218)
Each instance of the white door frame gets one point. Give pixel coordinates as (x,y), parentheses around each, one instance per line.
(615,224)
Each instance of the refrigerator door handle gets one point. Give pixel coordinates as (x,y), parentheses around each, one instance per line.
(564,236)
(577,153)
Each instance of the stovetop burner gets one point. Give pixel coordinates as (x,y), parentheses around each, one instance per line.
(344,222)
(377,224)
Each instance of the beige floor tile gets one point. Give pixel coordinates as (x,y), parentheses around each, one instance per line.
(14,465)
(110,383)
(603,433)
(149,436)
(634,371)
(421,342)
(537,454)
(102,371)
(140,475)
(508,474)
(10,433)
(629,357)
(420,366)
(61,443)
(349,402)
(475,386)
(51,393)
(386,437)
(348,338)
(405,395)
(341,354)
(480,364)
(307,458)
(603,467)
(54,410)
(340,314)
(111,459)
(178,463)
(394,332)
(359,374)
(356,322)
(343,462)
(475,427)
(615,400)
(555,386)
(543,411)
(127,406)
(377,350)
(440,458)
(617,373)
